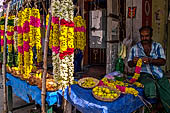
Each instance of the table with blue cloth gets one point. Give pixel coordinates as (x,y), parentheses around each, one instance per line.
(84,101)
(23,90)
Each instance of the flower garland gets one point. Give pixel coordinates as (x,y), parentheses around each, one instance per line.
(66,42)
(120,86)
(15,41)
(2,31)
(35,36)
(70,49)
(20,41)
(80,33)
(137,71)
(55,40)
(26,40)
(32,38)
(51,36)
(10,34)
(38,36)
(62,78)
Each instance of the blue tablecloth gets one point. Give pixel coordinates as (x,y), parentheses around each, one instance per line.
(22,89)
(84,101)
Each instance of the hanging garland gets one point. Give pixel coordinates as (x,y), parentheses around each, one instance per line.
(26,40)
(66,42)
(10,34)
(51,36)
(63,69)
(70,49)
(55,40)
(38,36)
(80,33)
(15,41)
(35,36)
(2,31)
(20,41)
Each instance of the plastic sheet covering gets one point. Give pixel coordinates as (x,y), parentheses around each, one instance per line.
(22,89)
(84,101)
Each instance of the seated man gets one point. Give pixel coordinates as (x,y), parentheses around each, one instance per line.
(151,76)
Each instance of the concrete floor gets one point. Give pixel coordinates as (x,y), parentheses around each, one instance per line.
(16,102)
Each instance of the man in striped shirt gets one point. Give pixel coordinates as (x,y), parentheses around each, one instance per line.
(153,57)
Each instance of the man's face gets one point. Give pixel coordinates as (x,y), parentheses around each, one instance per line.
(145,37)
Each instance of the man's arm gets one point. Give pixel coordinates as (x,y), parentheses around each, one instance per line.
(158,62)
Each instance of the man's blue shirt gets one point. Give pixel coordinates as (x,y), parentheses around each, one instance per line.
(156,52)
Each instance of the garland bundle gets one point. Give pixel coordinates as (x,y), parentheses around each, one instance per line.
(10,36)
(35,36)
(20,41)
(55,40)
(15,41)
(63,50)
(51,36)
(26,41)
(80,33)
(2,31)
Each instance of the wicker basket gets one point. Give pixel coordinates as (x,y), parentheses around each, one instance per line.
(85,78)
(106,99)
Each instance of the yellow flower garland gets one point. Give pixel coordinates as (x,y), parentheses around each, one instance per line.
(80,33)
(20,41)
(51,36)
(2,27)
(26,39)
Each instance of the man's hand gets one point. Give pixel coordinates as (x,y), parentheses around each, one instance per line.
(135,59)
(146,60)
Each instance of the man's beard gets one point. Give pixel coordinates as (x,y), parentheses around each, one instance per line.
(146,41)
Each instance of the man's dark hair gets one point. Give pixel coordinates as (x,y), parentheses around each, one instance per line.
(147,28)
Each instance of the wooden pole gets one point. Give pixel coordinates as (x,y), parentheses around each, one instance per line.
(4,63)
(43,93)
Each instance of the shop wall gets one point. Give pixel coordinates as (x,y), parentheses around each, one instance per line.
(136,23)
(159,18)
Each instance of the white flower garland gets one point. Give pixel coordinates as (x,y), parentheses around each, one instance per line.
(63,67)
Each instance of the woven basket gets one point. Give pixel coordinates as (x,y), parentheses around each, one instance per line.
(106,99)
(85,78)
